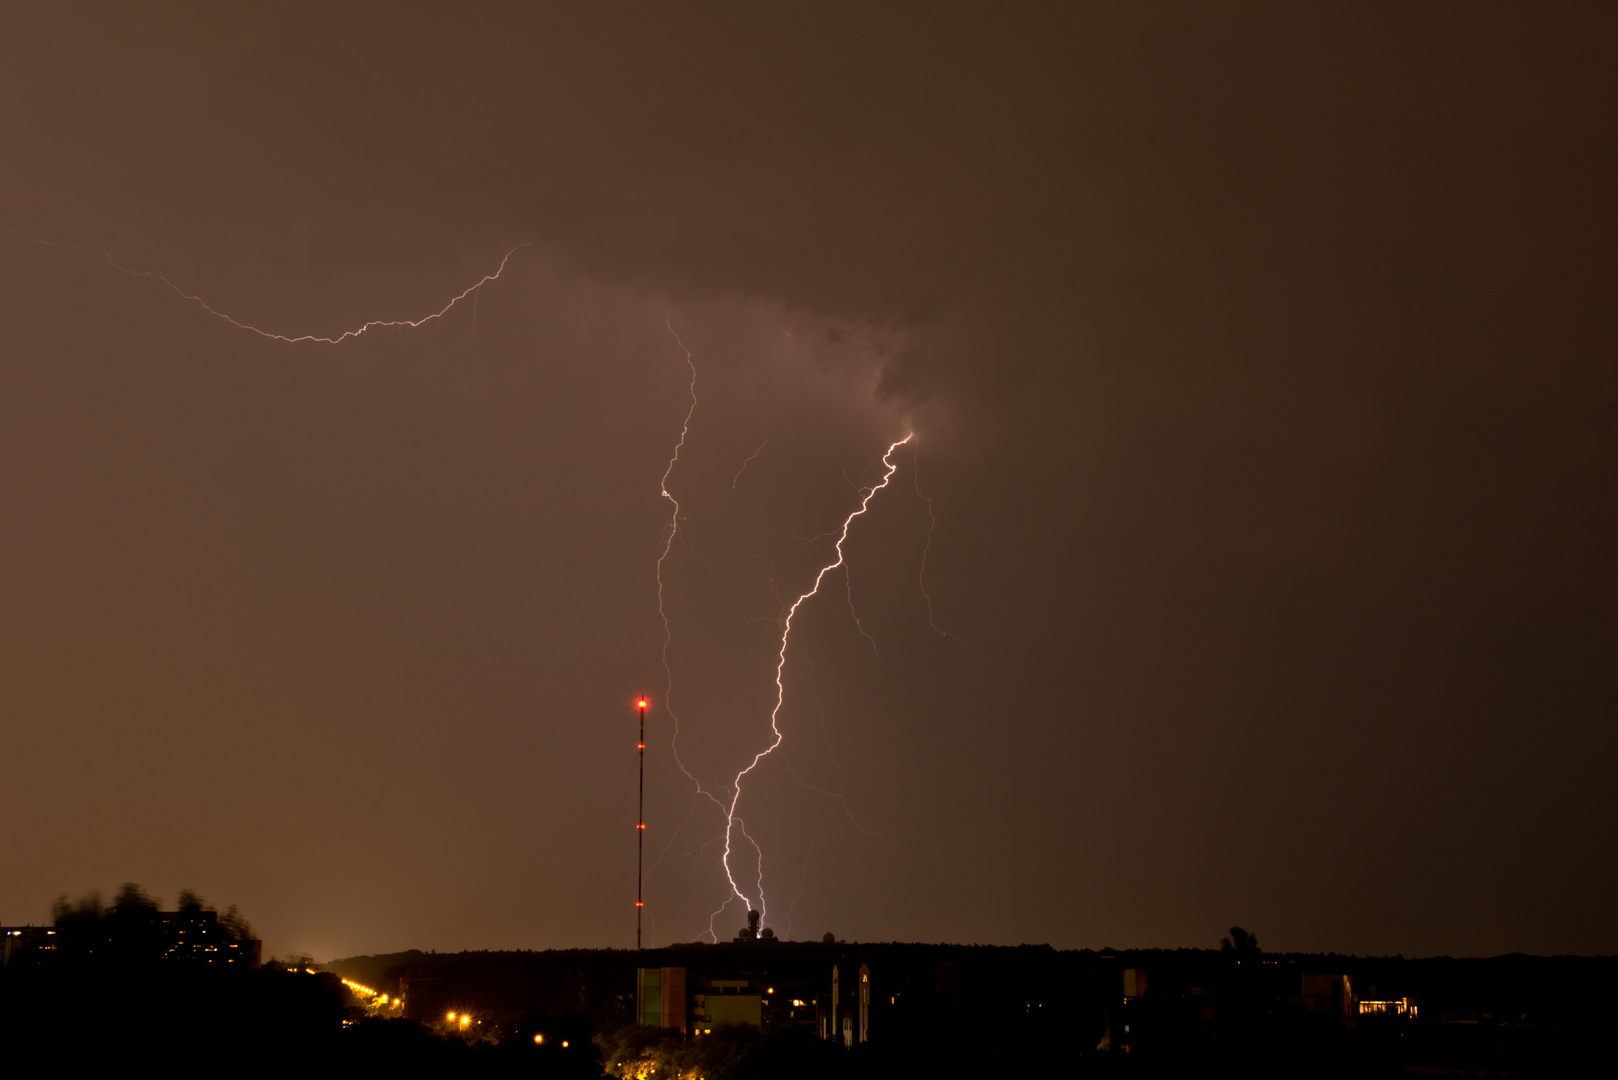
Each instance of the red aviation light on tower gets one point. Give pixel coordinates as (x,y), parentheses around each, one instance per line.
(641,704)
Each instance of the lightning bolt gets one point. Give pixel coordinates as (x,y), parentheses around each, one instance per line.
(731,820)
(474,291)
(848,591)
(673,529)
(669,535)
(748,462)
(374,324)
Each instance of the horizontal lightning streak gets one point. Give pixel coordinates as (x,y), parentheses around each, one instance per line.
(299,338)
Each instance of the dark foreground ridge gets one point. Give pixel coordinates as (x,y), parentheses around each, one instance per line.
(767,1009)
(135,985)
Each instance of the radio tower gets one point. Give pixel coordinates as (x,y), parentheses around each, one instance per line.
(640,830)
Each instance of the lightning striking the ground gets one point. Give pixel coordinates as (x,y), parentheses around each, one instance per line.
(374,324)
(731,820)
(669,536)
(728,807)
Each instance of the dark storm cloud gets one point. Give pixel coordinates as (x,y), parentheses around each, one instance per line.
(1260,359)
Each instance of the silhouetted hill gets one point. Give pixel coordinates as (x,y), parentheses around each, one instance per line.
(995,1010)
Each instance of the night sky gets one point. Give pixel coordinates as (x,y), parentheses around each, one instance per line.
(1252,560)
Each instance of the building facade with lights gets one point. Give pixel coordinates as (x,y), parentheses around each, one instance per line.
(660,998)
(16,939)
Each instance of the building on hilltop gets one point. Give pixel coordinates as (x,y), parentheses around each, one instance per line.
(194,934)
(189,936)
(14,939)
(133,929)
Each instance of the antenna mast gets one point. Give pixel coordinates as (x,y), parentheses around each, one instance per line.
(640,831)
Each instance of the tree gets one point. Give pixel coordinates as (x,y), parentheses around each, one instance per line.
(88,909)
(1240,942)
(133,899)
(237,927)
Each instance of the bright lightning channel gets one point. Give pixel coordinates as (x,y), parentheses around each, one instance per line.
(732,822)
(669,536)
